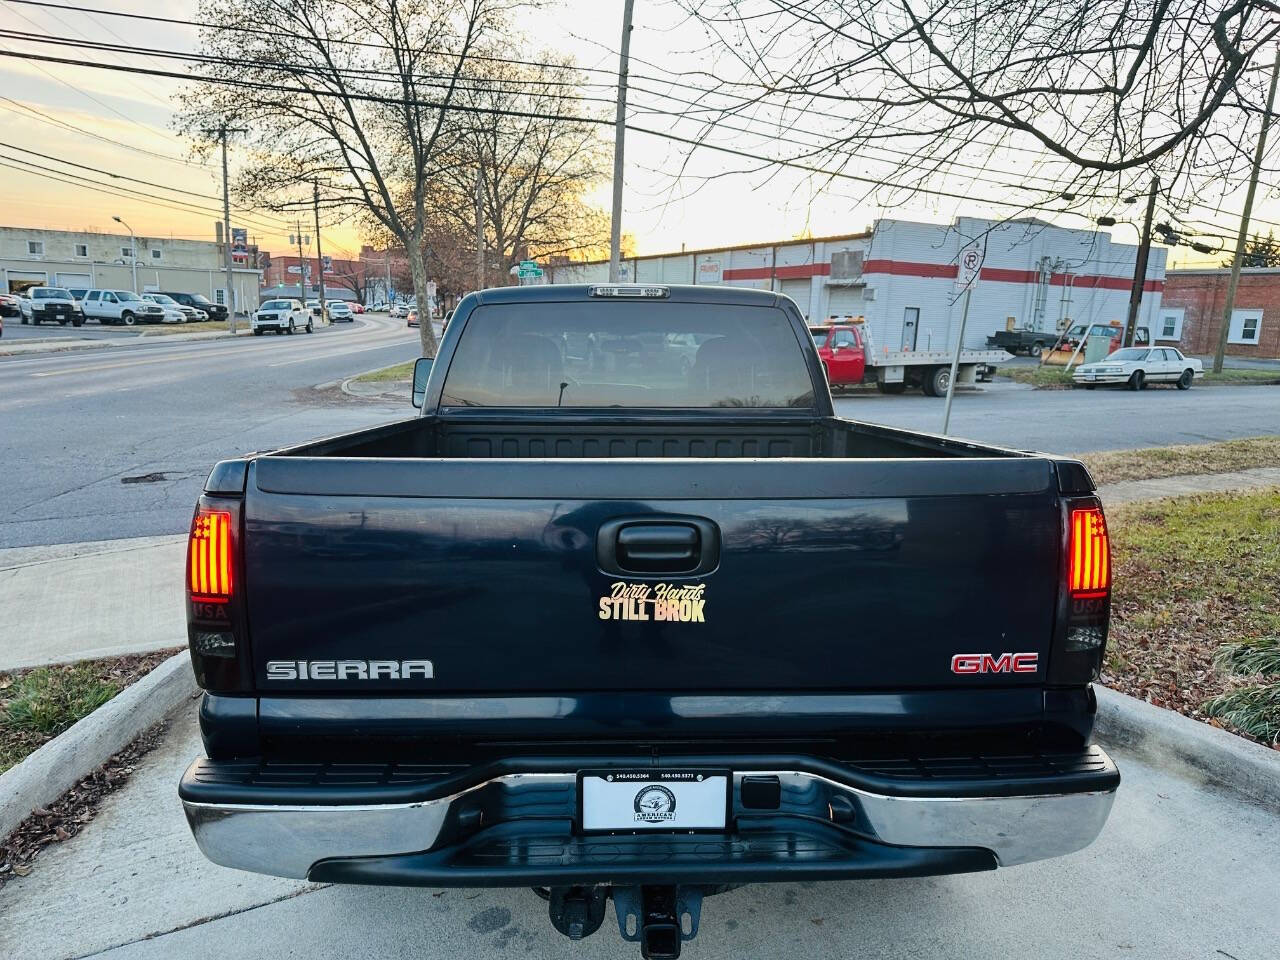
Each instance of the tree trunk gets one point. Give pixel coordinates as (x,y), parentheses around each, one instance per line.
(418,268)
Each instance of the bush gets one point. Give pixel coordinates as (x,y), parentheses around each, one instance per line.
(1255,709)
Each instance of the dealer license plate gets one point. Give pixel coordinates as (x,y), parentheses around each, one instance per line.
(654,800)
(1090,376)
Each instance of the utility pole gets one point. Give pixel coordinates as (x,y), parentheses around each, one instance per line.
(1140,268)
(302,267)
(619,134)
(222,130)
(324,304)
(1242,238)
(479,228)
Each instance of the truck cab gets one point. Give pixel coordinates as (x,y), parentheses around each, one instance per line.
(843,352)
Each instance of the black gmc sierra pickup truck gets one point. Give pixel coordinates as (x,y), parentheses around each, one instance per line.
(627,612)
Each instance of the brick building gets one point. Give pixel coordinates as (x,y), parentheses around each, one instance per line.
(1192,310)
(343,279)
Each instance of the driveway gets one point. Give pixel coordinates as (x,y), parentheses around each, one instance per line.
(1180,870)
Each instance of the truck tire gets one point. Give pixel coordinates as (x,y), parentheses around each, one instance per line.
(1037,348)
(1187,378)
(78,322)
(936,382)
(292,328)
(891,388)
(128,319)
(257,331)
(1138,381)
(310,327)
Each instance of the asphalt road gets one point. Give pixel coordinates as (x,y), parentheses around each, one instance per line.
(77,428)
(17,332)
(1080,421)
(1180,870)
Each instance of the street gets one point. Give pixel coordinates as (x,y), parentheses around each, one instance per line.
(111,444)
(81,426)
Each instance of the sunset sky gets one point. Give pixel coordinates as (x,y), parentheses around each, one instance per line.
(125,128)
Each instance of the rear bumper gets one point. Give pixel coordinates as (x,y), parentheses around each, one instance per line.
(517,828)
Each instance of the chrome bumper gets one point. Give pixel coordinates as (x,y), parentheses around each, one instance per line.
(288,840)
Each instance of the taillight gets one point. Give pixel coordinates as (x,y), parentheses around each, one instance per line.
(209,557)
(1084,603)
(1089,554)
(215,605)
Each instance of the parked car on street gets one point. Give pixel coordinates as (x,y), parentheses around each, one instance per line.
(316,308)
(120,306)
(212,311)
(399,310)
(282,316)
(340,311)
(1115,332)
(173,312)
(1135,367)
(9,305)
(189,314)
(51,303)
(560,630)
(356,306)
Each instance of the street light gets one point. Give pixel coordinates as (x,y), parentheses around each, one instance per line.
(133,249)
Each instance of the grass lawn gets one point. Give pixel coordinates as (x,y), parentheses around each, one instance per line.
(401,371)
(39,703)
(1115,466)
(205,326)
(1192,574)
(1051,377)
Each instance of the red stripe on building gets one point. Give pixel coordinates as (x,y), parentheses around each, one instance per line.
(797,272)
(948,271)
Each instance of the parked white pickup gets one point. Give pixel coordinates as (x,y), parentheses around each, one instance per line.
(120,306)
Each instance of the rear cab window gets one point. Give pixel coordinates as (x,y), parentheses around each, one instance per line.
(592,354)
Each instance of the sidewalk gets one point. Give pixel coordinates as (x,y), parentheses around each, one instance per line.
(79,600)
(62,344)
(1130,491)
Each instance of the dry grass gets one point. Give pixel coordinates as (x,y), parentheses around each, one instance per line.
(1115,466)
(39,703)
(1192,574)
(401,371)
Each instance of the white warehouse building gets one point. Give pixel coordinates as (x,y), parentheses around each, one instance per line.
(901,276)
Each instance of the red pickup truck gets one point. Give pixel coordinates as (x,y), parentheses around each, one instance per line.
(842,350)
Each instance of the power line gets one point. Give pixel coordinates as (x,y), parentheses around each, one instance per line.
(488,111)
(42,117)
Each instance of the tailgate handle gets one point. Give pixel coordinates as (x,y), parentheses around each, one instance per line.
(658,546)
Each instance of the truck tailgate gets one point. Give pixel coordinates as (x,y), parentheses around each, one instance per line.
(818,574)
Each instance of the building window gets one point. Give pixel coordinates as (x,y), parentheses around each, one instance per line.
(1170,325)
(220,296)
(82,250)
(1246,325)
(126,251)
(35,248)
(155,254)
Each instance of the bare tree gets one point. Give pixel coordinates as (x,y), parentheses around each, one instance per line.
(1102,93)
(359,97)
(537,154)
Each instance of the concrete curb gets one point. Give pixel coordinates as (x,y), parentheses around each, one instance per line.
(57,766)
(1188,747)
(66,344)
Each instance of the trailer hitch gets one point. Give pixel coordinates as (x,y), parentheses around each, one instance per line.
(659,917)
(655,917)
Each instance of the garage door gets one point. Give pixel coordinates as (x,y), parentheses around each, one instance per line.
(20,280)
(799,291)
(75,280)
(845,302)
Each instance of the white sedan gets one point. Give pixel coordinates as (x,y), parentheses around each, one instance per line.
(281,315)
(1135,367)
(339,311)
